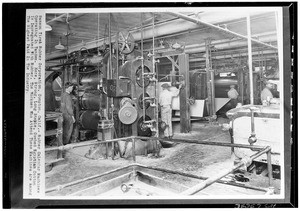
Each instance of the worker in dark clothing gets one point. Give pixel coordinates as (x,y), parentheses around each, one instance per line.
(67,109)
(233,95)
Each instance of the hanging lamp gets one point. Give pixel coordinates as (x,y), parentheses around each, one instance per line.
(48,27)
(59,46)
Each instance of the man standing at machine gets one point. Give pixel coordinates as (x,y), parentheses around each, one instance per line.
(67,109)
(165,101)
(233,95)
(266,95)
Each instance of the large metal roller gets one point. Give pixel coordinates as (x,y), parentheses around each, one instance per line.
(93,100)
(222,86)
(89,119)
(225,81)
(128,112)
(90,80)
(135,66)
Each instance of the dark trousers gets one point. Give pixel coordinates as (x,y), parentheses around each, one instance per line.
(233,103)
(67,128)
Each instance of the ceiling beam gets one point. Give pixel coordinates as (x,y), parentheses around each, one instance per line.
(223,30)
(70,17)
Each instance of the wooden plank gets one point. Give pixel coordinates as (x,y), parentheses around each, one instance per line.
(185,121)
(53,132)
(104,186)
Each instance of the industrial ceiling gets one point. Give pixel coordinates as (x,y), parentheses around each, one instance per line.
(90,30)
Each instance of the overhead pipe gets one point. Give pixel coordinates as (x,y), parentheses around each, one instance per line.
(57,18)
(226,44)
(226,31)
(65,15)
(196,48)
(161,29)
(232,56)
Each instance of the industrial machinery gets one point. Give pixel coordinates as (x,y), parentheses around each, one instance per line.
(249,126)
(112,99)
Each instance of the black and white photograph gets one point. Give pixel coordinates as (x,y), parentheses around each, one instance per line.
(158,103)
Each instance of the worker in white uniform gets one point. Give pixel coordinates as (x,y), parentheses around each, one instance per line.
(233,95)
(165,102)
(266,95)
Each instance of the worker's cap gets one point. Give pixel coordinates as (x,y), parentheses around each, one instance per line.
(269,82)
(165,85)
(232,86)
(68,84)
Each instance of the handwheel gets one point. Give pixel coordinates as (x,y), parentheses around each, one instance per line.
(125,42)
(139,76)
(140,101)
(124,188)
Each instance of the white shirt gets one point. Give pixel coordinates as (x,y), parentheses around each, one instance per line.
(165,97)
(232,94)
(265,93)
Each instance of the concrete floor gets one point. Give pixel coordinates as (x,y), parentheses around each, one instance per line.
(203,160)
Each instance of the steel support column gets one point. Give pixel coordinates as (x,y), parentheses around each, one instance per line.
(270,170)
(240,76)
(250,60)
(185,120)
(210,80)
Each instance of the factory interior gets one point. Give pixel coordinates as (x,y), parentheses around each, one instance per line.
(217,138)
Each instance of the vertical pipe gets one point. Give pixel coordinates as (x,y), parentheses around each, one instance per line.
(143,77)
(77,104)
(113,151)
(212,78)
(270,171)
(209,97)
(106,150)
(110,51)
(68,73)
(250,59)
(117,57)
(252,123)
(109,75)
(242,89)
(133,149)
(63,81)
(155,74)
